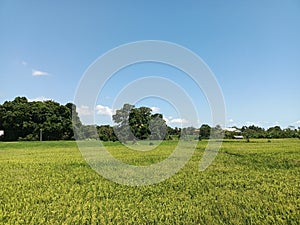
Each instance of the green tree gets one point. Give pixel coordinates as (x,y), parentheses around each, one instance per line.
(205,131)
(158,127)
(217,132)
(275,132)
(122,129)
(138,123)
(76,124)
(106,133)
(253,131)
(23,120)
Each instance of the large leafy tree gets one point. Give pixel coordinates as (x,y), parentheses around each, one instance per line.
(253,131)
(106,133)
(205,131)
(23,120)
(122,129)
(275,132)
(158,128)
(138,123)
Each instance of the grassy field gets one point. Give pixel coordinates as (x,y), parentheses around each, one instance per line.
(248,183)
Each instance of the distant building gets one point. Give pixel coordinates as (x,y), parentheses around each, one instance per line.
(238,137)
(233,132)
(1,133)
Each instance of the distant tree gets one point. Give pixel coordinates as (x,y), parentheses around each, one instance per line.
(76,124)
(139,119)
(89,132)
(23,120)
(158,127)
(171,132)
(138,123)
(275,132)
(253,132)
(106,133)
(190,133)
(290,132)
(204,131)
(217,132)
(122,129)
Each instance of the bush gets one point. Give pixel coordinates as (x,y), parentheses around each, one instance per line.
(29,137)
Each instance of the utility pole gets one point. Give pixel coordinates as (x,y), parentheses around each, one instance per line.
(41,134)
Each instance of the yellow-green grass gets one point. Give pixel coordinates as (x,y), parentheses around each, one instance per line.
(248,183)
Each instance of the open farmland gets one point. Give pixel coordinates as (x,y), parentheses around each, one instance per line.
(248,183)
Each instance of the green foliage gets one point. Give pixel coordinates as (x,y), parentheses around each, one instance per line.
(139,119)
(158,128)
(254,132)
(121,117)
(138,123)
(272,132)
(23,120)
(205,131)
(248,183)
(106,133)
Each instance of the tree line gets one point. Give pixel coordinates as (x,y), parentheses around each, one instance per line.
(22,120)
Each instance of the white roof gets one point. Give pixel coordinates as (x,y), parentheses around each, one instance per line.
(232,129)
(238,136)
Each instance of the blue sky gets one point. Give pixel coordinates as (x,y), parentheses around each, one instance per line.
(252,47)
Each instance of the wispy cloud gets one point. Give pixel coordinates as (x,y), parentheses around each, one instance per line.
(178,120)
(39,73)
(39,99)
(296,123)
(155,109)
(170,120)
(104,110)
(84,110)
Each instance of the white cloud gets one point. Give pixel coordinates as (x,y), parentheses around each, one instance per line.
(167,120)
(99,109)
(296,123)
(230,120)
(178,120)
(170,120)
(39,73)
(24,63)
(84,110)
(39,99)
(104,110)
(155,109)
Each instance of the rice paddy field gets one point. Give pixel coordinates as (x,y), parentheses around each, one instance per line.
(248,183)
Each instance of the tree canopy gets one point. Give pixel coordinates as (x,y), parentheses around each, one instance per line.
(21,119)
(139,124)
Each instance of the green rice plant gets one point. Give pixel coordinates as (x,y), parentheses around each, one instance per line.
(248,183)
